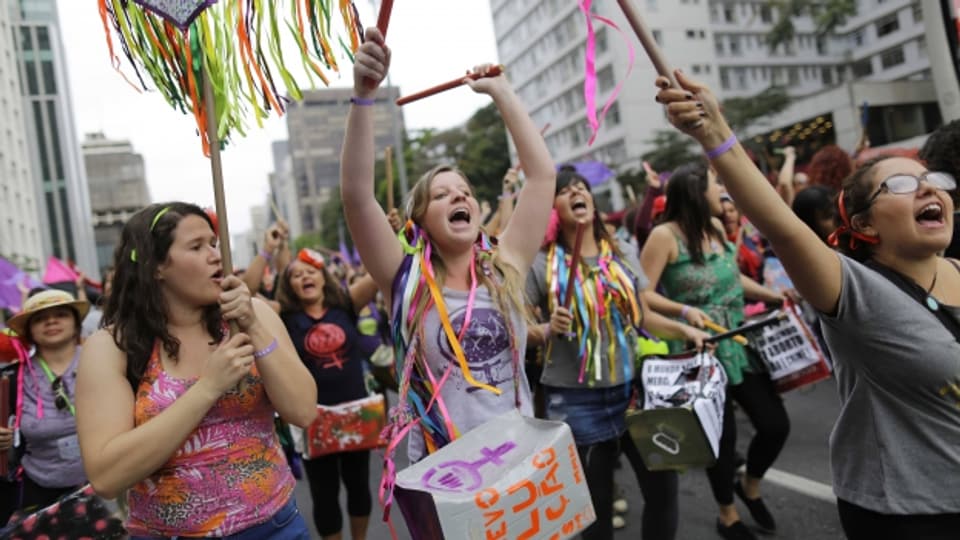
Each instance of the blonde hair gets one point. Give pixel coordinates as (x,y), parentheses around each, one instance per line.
(508,293)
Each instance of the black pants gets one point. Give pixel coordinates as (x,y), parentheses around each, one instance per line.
(325,474)
(661,512)
(33,496)
(862,524)
(758,398)
(660,498)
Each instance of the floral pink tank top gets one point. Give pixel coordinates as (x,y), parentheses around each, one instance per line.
(229,475)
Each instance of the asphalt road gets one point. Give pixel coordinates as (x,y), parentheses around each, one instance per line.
(796,491)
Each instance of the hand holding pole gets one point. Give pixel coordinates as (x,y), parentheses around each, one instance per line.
(492,72)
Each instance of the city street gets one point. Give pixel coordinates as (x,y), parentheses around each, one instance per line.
(797,492)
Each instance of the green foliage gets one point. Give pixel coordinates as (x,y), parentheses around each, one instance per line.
(310,240)
(744,112)
(826,14)
(671,149)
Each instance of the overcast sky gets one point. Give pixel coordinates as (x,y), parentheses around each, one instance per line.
(432,41)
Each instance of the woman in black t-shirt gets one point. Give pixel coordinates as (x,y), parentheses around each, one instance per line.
(322,322)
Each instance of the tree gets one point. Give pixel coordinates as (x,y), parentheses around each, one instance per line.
(747,111)
(671,149)
(826,14)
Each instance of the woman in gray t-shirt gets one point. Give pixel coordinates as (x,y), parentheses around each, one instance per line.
(587,377)
(888,304)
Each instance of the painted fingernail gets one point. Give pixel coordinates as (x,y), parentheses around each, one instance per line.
(689,95)
(699,105)
(703,113)
(656,98)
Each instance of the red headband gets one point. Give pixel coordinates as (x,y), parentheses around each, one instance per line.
(846,226)
(312,258)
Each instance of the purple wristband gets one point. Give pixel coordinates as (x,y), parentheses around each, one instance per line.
(362,101)
(684,310)
(266,255)
(723,148)
(269,349)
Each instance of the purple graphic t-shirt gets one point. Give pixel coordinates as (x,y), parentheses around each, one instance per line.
(486,346)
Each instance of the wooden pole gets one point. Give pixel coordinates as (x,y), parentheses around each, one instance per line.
(494,71)
(383,18)
(574,263)
(388,163)
(646,39)
(216,169)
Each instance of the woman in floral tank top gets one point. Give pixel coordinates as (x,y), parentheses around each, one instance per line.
(174,407)
(689,256)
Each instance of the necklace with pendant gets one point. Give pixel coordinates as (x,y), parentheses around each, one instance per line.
(931,301)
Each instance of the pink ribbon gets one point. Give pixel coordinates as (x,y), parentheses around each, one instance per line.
(590,63)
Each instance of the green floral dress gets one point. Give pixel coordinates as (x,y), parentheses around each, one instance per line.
(715,288)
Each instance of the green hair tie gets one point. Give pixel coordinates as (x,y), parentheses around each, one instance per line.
(153,224)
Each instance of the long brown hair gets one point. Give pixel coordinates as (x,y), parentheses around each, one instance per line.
(334,294)
(688,207)
(136,312)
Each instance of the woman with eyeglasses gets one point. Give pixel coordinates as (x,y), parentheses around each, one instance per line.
(890,307)
(44,430)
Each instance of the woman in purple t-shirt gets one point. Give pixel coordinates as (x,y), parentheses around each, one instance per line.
(44,429)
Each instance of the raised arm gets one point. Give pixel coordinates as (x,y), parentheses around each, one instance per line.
(785,178)
(371,232)
(658,251)
(520,239)
(813,267)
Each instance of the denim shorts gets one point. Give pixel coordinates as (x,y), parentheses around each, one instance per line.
(286,524)
(593,414)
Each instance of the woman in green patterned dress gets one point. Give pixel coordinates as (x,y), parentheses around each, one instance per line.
(689,256)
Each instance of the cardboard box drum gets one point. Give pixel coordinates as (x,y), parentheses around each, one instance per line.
(789,350)
(682,419)
(355,425)
(511,478)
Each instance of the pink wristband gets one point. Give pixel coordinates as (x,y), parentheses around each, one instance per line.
(684,310)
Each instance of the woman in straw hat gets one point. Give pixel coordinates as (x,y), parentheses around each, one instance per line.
(44,429)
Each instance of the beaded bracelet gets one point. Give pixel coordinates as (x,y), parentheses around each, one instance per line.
(269,349)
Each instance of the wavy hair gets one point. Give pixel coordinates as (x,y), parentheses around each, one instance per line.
(508,294)
(688,207)
(829,167)
(136,313)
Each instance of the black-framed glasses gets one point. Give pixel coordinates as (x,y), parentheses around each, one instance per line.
(901,184)
(60,395)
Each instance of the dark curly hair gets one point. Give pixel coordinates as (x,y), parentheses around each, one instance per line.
(136,312)
(940,152)
(687,205)
(829,167)
(857,189)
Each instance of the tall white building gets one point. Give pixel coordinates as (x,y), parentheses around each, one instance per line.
(722,43)
(20,238)
(60,181)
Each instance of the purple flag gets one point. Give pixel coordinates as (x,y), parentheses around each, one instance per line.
(10,276)
(595,172)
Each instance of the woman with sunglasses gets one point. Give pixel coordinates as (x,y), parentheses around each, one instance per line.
(321,317)
(45,430)
(889,306)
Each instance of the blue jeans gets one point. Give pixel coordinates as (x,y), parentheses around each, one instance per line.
(593,414)
(286,524)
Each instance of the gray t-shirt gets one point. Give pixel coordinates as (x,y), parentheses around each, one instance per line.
(486,346)
(895,448)
(562,368)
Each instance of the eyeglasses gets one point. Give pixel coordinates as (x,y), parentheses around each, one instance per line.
(901,184)
(60,399)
